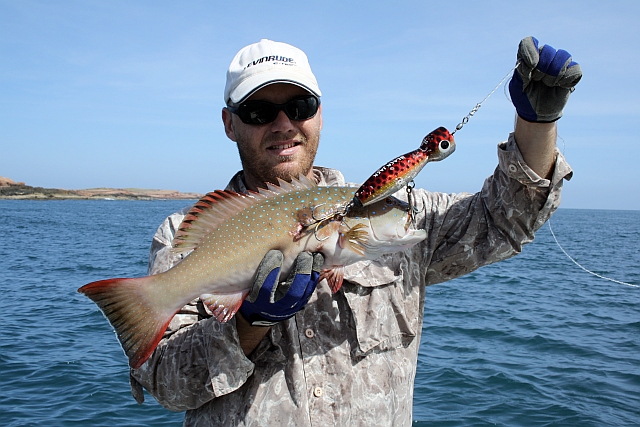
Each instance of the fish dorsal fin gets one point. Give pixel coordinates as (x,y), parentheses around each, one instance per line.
(207,215)
(302,183)
(218,206)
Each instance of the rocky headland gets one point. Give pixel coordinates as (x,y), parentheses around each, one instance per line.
(10,189)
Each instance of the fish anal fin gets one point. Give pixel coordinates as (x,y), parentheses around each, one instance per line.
(224,306)
(334,277)
(138,322)
(355,238)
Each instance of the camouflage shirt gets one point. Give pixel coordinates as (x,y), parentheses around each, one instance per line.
(346,359)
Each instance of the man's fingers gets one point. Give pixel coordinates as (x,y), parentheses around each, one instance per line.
(547,55)
(528,53)
(559,62)
(302,265)
(571,76)
(305,264)
(318,262)
(545,63)
(271,261)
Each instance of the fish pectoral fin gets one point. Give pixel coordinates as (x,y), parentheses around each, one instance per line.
(224,306)
(334,277)
(355,239)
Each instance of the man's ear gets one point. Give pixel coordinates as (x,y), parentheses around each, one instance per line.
(227,117)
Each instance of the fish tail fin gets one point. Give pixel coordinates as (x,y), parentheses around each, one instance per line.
(334,277)
(138,321)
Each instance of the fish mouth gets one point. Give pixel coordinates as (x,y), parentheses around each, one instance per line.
(395,225)
(389,224)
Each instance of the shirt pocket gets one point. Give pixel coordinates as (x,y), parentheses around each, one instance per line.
(385,312)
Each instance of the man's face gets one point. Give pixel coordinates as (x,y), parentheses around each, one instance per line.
(284,148)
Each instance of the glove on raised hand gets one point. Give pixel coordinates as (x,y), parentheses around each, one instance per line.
(543,81)
(271,301)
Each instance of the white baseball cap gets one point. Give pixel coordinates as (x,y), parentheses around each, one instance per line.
(266,62)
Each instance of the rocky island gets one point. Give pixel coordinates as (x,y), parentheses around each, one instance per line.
(10,189)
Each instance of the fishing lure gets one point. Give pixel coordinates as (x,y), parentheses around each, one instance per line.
(399,172)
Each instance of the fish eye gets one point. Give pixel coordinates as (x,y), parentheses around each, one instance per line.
(445,145)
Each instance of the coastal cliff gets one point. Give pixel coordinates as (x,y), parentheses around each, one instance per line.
(10,189)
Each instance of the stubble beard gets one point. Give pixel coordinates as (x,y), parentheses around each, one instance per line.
(285,168)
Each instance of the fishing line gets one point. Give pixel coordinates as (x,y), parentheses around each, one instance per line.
(388,180)
(576,262)
(465,120)
(475,109)
(564,146)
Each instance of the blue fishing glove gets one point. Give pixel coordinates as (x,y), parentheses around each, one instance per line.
(271,301)
(543,81)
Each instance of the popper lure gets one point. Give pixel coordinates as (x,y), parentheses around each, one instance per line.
(399,172)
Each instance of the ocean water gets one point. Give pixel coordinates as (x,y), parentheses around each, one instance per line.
(532,341)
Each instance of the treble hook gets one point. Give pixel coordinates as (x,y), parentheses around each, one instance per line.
(412,205)
(315,230)
(333,214)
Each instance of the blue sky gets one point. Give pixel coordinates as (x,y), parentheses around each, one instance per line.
(128,94)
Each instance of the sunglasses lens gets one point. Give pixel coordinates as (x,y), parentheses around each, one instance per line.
(301,108)
(262,112)
(258,113)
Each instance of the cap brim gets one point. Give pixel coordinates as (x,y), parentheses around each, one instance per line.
(254,83)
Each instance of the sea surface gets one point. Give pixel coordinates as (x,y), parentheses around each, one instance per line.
(532,341)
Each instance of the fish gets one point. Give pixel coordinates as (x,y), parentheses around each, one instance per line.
(225,235)
(399,172)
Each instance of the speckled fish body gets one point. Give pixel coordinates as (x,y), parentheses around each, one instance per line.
(396,174)
(229,234)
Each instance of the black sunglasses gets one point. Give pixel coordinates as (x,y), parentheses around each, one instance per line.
(263,112)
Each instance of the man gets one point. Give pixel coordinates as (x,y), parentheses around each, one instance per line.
(298,355)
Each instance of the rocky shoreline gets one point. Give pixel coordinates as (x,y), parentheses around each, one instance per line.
(9,189)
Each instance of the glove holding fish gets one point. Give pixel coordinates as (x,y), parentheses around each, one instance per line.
(229,234)
(542,81)
(271,301)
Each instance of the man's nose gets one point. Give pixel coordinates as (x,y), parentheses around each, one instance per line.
(282,123)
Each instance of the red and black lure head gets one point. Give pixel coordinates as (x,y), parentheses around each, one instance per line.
(437,145)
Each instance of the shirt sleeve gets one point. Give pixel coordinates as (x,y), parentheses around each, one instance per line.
(199,358)
(468,231)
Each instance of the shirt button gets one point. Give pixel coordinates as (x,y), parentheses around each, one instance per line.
(309,333)
(317,392)
(513,168)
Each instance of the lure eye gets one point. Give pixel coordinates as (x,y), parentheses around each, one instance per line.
(444,146)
